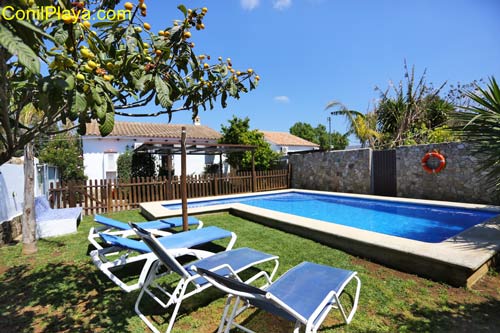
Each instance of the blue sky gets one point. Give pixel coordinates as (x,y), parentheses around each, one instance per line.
(309,52)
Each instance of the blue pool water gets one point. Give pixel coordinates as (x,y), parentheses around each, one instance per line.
(420,222)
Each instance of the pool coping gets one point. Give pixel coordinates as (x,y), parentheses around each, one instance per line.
(460,260)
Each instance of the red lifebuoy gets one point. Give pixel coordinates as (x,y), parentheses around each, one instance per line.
(442,162)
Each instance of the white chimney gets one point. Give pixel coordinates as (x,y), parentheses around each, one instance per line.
(196,121)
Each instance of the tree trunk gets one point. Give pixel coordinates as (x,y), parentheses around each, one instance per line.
(29,225)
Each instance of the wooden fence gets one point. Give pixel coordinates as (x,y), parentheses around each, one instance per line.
(101,196)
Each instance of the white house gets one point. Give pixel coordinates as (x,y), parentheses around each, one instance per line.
(101,153)
(285,143)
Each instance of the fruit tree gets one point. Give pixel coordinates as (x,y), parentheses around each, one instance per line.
(58,65)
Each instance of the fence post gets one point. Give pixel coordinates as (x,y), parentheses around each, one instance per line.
(71,193)
(254,176)
(109,194)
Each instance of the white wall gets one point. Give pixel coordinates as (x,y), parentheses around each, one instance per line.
(11,191)
(277,148)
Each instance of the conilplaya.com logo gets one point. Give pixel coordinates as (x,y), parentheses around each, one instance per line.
(75,14)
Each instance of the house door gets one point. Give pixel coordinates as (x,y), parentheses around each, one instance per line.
(384,172)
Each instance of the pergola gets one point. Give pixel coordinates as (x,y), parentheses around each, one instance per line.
(186,147)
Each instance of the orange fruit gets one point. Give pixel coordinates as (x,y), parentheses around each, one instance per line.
(147,26)
(128,6)
(187,34)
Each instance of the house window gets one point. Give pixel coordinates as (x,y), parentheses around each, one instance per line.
(110,168)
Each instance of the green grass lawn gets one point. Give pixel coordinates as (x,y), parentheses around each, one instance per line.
(60,290)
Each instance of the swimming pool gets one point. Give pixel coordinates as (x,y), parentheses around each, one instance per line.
(426,223)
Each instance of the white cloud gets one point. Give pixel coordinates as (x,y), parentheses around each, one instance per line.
(282,99)
(281,4)
(249,4)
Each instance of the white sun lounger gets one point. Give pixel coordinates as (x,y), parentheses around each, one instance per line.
(161,227)
(304,295)
(239,259)
(130,250)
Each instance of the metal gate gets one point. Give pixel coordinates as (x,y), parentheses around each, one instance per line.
(384,172)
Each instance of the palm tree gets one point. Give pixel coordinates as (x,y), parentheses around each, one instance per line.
(362,126)
(479,123)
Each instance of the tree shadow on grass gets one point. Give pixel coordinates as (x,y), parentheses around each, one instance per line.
(60,297)
(452,317)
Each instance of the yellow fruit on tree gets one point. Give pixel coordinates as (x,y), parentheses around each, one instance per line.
(86,24)
(250,71)
(166,34)
(110,65)
(80,77)
(147,26)
(143,6)
(158,52)
(87,68)
(86,53)
(128,6)
(108,77)
(204,10)
(68,19)
(161,33)
(92,64)
(206,66)
(187,34)
(138,29)
(145,45)
(257,78)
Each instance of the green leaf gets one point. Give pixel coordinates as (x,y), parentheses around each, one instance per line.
(97,97)
(100,111)
(15,46)
(70,82)
(61,36)
(141,83)
(183,9)
(162,91)
(223,99)
(233,89)
(79,105)
(107,126)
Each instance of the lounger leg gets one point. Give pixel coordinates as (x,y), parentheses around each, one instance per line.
(178,300)
(348,319)
(224,314)
(232,315)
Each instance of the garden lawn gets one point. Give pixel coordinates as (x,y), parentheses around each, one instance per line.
(59,290)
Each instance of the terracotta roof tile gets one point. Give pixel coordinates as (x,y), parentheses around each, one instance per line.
(286,139)
(155,130)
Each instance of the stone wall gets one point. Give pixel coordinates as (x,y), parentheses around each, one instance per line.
(351,171)
(338,171)
(461,179)
(9,230)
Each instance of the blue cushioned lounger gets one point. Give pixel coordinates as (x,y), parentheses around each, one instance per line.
(160,227)
(239,259)
(304,295)
(179,243)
